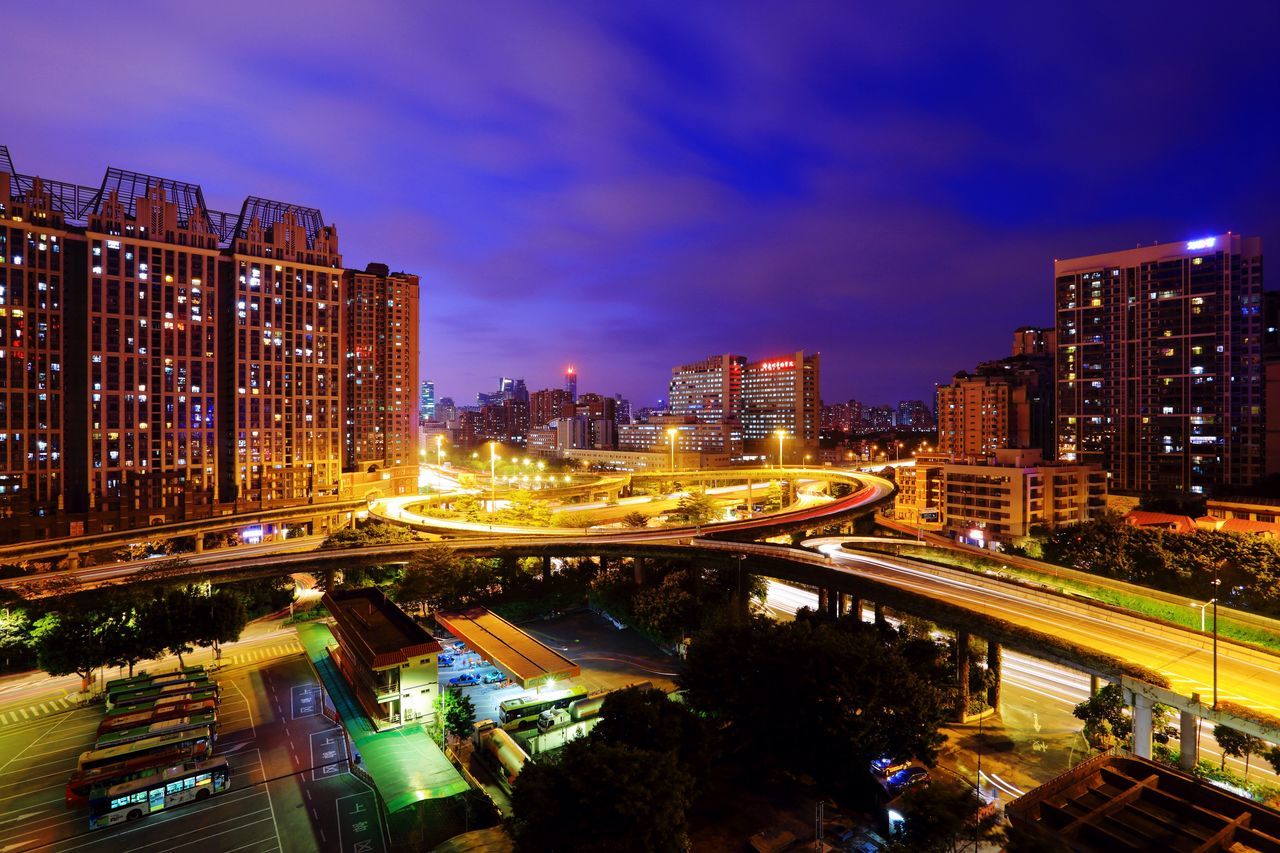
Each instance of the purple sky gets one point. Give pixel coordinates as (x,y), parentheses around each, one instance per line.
(629,186)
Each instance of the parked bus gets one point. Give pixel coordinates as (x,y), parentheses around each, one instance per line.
(82,782)
(199,740)
(522,711)
(145,678)
(163,727)
(156,714)
(127,694)
(172,786)
(131,698)
(155,703)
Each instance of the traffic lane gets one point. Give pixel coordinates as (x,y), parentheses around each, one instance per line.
(1188,667)
(242,819)
(37,761)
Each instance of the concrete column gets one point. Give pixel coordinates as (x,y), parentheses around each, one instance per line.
(604,564)
(855,607)
(637,565)
(1189,741)
(962,675)
(546,566)
(833,604)
(994,663)
(73,560)
(823,595)
(879,611)
(1093,685)
(199,543)
(1141,726)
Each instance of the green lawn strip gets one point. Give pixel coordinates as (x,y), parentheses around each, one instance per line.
(1185,617)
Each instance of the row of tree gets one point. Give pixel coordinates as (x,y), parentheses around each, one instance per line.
(1248,566)
(121,627)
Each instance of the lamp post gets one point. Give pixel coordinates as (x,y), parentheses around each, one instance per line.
(1214,602)
(439,451)
(781,434)
(897,445)
(493,476)
(671,440)
(1202,609)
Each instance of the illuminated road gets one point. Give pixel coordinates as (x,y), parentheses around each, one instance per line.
(1035,696)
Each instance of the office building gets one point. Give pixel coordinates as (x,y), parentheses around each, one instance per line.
(781,394)
(547,405)
(624,409)
(1159,374)
(601,414)
(381,367)
(710,389)
(446,411)
(390,661)
(691,436)
(427,401)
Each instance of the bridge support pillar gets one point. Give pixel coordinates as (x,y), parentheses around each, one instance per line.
(604,564)
(546,567)
(1141,726)
(962,675)
(995,661)
(1189,738)
(73,560)
(879,613)
(1093,684)
(199,543)
(833,604)
(637,564)
(823,596)
(855,607)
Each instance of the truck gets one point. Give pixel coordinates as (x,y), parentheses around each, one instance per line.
(500,749)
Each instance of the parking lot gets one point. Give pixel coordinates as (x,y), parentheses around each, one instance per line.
(610,658)
(291,788)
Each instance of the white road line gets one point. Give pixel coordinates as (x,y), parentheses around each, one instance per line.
(33,743)
(266,787)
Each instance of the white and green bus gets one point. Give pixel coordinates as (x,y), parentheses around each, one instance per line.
(183,783)
(142,695)
(522,711)
(161,727)
(198,741)
(156,679)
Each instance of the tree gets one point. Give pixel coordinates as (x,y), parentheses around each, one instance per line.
(670,608)
(70,640)
(371,533)
(1107,721)
(941,817)
(1273,758)
(696,508)
(421,576)
(602,797)
(635,520)
(816,698)
(457,712)
(219,618)
(15,634)
(130,643)
(168,619)
(1237,744)
(646,718)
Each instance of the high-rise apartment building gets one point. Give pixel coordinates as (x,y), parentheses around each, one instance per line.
(381,367)
(781,394)
(710,389)
(915,414)
(282,296)
(36,250)
(1029,340)
(1006,403)
(1159,363)
(547,405)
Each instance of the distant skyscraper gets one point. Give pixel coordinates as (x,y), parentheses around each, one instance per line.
(446,410)
(915,414)
(1159,363)
(624,409)
(571,383)
(1028,340)
(427,401)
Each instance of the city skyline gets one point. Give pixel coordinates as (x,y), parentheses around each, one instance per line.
(701,187)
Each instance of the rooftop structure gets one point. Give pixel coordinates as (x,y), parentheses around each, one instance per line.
(527,661)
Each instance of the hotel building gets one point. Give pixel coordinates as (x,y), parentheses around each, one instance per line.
(1159,374)
(710,389)
(781,394)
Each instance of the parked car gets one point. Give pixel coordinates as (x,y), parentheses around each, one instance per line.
(904,779)
(887,765)
(444,660)
(493,676)
(464,680)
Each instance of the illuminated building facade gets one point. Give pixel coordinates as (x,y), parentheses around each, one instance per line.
(571,383)
(710,389)
(691,436)
(427,401)
(282,424)
(781,394)
(380,323)
(547,405)
(1158,366)
(35,250)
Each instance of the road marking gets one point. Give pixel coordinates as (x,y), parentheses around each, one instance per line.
(23,711)
(270,805)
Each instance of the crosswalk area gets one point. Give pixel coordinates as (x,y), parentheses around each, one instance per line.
(36,710)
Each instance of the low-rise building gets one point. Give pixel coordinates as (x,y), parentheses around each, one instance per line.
(390,661)
(919,498)
(691,435)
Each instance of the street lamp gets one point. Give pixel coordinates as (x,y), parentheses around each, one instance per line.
(896,447)
(671,440)
(781,434)
(493,476)
(1202,607)
(439,450)
(1214,602)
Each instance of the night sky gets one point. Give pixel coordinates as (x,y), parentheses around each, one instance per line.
(630,186)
